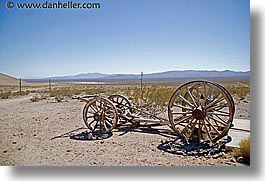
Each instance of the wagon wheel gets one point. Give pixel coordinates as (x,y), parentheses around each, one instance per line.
(200,111)
(122,103)
(100,114)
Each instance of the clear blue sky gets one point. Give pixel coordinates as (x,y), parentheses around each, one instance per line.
(125,37)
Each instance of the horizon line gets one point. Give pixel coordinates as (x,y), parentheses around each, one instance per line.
(33,77)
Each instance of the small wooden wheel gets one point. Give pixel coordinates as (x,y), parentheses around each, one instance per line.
(122,103)
(200,111)
(100,114)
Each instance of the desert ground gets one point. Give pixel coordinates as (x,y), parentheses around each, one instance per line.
(47,133)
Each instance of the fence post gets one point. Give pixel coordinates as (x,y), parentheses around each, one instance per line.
(141,88)
(20,86)
(50,86)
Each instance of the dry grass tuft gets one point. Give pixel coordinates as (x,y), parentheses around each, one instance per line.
(243,152)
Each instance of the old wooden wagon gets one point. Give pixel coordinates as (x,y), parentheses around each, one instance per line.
(198,110)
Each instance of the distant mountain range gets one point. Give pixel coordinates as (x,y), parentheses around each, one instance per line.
(152,76)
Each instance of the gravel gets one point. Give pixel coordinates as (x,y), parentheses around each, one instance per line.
(47,133)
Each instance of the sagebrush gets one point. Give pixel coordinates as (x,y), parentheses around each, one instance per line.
(243,151)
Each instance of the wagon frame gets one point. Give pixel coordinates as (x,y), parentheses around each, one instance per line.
(197,111)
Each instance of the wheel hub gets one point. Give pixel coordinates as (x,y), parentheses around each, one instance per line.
(97,117)
(198,114)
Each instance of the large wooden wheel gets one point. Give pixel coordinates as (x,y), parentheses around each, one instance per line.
(100,114)
(122,103)
(201,111)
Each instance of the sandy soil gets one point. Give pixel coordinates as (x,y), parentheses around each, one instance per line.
(11,81)
(37,134)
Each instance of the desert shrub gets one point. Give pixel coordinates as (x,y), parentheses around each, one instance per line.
(112,91)
(5,95)
(62,92)
(153,98)
(91,91)
(69,92)
(128,91)
(239,91)
(35,98)
(243,151)
(9,93)
(59,98)
(22,93)
(39,97)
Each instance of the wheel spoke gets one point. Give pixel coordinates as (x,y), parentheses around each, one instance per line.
(187,126)
(180,117)
(222,112)
(204,90)
(109,121)
(183,119)
(110,114)
(215,102)
(184,107)
(208,121)
(219,114)
(94,105)
(108,110)
(185,100)
(218,107)
(192,129)
(221,118)
(217,95)
(93,129)
(94,109)
(191,96)
(101,104)
(91,122)
(198,95)
(121,101)
(199,130)
(182,113)
(223,123)
(207,130)
(110,118)
(210,92)
(90,112)
(105,126)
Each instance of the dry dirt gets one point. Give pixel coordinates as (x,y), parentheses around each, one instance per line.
(11,81)
(37,134)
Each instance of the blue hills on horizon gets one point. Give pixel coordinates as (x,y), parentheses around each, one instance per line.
(175,74)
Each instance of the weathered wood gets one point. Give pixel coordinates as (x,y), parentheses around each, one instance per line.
(198,110)
(208,103)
